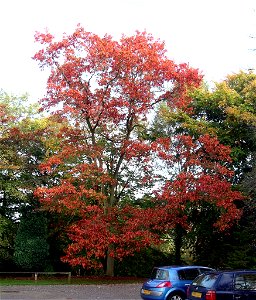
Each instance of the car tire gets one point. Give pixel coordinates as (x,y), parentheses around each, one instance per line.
(176,297)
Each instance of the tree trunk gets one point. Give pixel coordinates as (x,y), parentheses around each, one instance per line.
(110,259)
(110,264)
(179,232)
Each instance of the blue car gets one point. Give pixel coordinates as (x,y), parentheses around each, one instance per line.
(170,282)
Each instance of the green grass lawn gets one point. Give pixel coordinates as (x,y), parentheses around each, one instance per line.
(47,280)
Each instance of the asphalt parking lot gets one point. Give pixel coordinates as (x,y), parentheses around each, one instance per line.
(71,292)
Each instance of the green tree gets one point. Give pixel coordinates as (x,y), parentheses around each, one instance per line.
(7,235)
(229,110)
(26,137)
(31,251)
(20,152)
(17,168)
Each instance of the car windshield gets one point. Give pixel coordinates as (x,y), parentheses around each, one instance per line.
(206,280)
(160,274)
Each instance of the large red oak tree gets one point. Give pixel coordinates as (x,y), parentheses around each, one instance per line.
(105,91)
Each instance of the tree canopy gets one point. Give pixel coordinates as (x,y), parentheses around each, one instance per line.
(104,92)
(106,89)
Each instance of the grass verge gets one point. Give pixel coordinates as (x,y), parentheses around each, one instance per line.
(63,281)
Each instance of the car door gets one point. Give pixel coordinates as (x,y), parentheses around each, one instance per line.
(224,287)
(245,286)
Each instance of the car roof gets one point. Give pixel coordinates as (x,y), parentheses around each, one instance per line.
(177,267)
(232,271)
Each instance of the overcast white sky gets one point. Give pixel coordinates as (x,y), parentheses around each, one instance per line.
(211,35)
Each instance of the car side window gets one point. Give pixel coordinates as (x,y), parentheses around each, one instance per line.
(225,283)
(188,274)
(245,282)
(181,275)
(239,282)
(191,274)
(250,280)
(204,270)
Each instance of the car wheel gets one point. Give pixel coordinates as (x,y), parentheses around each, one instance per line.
(175,297)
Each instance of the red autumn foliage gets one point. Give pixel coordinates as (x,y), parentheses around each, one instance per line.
(203,177)
(104,90)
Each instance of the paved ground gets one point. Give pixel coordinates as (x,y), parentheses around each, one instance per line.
(71,292)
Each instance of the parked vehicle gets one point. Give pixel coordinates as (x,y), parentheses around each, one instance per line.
(224,285)
(170,282)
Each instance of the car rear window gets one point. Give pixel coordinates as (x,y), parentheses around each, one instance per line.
(206,280)
(160,274)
